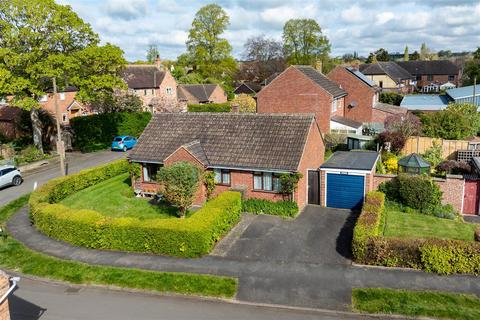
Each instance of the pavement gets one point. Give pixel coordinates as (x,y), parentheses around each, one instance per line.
(51,301)
(76,161)
(472,218)
(272,268)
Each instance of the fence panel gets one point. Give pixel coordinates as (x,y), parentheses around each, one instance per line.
(422,144)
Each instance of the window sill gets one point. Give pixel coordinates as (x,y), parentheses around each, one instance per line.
(223,185)
(266,191)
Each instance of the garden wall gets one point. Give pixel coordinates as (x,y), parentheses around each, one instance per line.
(452,188)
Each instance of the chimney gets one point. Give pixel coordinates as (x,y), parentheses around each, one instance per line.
(319,65)
(235,108)
(158,62)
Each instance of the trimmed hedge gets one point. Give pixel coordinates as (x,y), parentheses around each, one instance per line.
(190,237)
(432,255)
(96,132)
(210,107)
(277,208)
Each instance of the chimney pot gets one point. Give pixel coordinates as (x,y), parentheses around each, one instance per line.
(235,108)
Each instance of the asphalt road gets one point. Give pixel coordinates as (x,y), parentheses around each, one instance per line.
(40,300)
(75,161)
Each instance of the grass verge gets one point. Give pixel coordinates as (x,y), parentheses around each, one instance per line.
(15,256)
(414,225)
(416,303)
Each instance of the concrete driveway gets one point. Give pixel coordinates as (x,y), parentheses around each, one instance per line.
(319,236)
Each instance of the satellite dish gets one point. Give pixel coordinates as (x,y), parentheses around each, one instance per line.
(352,104)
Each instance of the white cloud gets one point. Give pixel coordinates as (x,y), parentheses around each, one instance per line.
(353,14)
(384,17)
(126,9)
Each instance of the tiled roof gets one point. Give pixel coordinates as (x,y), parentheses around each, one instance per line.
(317,77)
(142,76)
(436,67)
(389,68)
(390,108)
(231,140)
(351,160)
(200,92)
(346,121)
(248,88)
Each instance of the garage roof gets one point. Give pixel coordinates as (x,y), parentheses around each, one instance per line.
(351,160)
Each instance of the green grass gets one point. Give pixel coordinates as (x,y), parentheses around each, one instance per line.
(115,198)
(415,225)
(15,256)
(416,303)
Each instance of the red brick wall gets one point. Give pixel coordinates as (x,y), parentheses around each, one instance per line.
(4,286)
(218,95)
(437,79)
(357,91)
(379,115)
(49,106)
(293,92)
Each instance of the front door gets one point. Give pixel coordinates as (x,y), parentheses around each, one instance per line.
(471,197)
(313,187)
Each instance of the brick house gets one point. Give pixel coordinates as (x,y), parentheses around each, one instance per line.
(303,89)
(431,75)
(247,152)
(362,93)
(69,106)
(389,76)
(382,111)
(201,93)
(154,85)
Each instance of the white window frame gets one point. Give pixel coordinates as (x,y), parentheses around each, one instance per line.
(334,105)
(62,96)
(221,177)
(263,175)
(169,90)
(64,117)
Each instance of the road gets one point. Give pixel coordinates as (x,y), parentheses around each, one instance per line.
(76,161)
(41,300)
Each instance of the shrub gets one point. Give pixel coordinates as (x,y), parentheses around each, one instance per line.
(395,139)
(433,155)
(368,224)
(245,102)
(179,184)
(477,234)
(29,154)
(391,165)
(209,182)
(453,167)
(210,107)
(96,132)
(190,237)
(445,212)
(278,208)
(289,183)
(391,98)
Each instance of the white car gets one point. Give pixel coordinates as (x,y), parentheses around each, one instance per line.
(10,175)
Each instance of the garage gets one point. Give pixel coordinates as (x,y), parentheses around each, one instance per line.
(346,178)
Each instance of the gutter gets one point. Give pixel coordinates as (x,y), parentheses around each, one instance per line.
(12,287)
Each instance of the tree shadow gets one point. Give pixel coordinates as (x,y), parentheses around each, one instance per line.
(345,236)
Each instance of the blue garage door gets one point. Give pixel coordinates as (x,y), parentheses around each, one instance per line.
(345,191)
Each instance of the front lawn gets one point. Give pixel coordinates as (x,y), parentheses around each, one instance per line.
(15,256)
(415,225)
(115,198)
(416,303)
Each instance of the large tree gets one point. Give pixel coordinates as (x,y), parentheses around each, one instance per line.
(472,69)
(304,42)
(208,51)
(152,53)
(379,55)
(39,40)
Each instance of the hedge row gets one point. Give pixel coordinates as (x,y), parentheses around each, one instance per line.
(96,132)
(210,107)
(432,255)
(278,208)
(190,237)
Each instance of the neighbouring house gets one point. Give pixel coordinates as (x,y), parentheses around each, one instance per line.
(247,87)
(446,86)
(435,102)
(389,76)
(154,84)
(469,94)
(382,111)
(346,177)
(247,152)
(430,75)
(9,120)
(303,89)
(69,106)
(362,93)
(201,93)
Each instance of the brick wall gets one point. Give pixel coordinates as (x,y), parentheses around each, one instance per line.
(49,106)
(452,188)
(4,286)
(379,115)
(293,92)
(218,95)
(437,79)
(357,91)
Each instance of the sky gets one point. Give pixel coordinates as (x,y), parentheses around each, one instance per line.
(362,26)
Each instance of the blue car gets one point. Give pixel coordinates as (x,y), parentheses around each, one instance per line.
(123,143)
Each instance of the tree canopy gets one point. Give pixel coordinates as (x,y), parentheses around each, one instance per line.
(152,53)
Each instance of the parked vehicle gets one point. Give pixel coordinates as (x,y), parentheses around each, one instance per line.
(10,175)
(123,143)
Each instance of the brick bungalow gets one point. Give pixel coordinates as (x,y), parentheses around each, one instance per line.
(362,93)
(303,89)
(246,151)
(201,93)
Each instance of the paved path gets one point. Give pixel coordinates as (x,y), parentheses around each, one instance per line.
(46,301)
(315,284)
(76,161)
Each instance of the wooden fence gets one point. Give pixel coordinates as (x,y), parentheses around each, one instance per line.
(422,144)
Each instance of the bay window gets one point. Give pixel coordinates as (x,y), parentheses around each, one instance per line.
(266,181)
(222,176)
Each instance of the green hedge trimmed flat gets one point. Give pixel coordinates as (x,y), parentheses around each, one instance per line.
(190,237)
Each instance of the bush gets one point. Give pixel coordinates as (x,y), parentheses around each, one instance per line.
(96,132)
(278,208)
(391,165)
(368,224)
(29,154)
(391,98)
(210,107)
(445,212)
(190,237)
(453,167)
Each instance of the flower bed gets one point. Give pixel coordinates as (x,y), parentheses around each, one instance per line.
(190,237)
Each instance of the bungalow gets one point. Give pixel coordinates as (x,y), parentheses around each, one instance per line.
(247,152)
(201,93)
(389,76)
(303,89)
